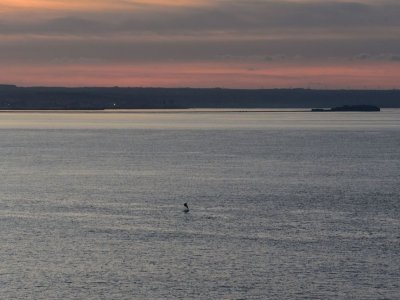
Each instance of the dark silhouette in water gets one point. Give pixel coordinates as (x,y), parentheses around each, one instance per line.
(186,210)
(349,108)
(356,108)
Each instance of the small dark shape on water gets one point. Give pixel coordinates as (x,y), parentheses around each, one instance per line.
(356,108)
(186,210)
(349,108)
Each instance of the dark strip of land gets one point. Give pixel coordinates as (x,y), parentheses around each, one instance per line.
(59,98)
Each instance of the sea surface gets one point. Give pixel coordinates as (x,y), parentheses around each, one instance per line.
(283,205)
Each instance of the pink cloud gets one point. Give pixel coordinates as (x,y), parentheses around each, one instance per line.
(229,75)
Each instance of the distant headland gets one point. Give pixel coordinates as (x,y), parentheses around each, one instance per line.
(96,98)
(349,108)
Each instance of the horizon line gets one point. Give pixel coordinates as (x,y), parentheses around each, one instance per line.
(10,85)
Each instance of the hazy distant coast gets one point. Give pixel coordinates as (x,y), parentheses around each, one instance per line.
(60,98)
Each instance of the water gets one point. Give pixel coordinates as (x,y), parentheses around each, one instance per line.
(283,205)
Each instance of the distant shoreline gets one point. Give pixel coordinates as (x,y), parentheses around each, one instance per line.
(154,111)
(98,99)
(167,111)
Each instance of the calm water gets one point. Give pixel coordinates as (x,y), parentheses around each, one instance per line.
(283,205)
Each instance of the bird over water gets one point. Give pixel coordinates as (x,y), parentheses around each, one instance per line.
(186,210)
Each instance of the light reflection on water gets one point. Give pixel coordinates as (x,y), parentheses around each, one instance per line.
(283,205)
(197,119)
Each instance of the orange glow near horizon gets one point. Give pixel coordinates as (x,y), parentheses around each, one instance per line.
(200,43)
(238,75)
(88,5)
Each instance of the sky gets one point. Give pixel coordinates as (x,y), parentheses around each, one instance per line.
(327,44)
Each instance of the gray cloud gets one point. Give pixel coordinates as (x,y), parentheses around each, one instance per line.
(236,16)
(137,50)
(274,30)
(377,57)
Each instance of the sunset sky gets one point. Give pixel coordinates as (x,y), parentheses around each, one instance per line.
(201,43)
